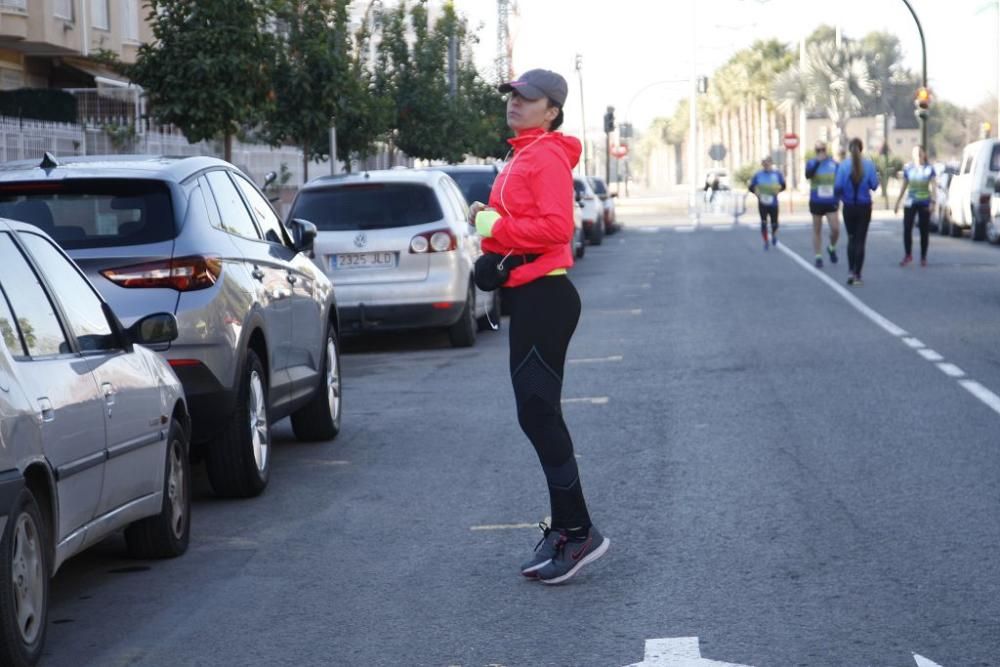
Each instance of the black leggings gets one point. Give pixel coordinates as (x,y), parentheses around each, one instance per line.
(543,317)
(856,219)
(923,215)
(765,212)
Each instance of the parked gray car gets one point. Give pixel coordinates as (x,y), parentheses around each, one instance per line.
(193,236)
(93,432)
(400,249)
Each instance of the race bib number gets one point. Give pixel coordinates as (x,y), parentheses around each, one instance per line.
(825,191)
(766,199)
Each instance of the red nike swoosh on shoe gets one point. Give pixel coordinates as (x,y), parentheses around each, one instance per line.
(578,554)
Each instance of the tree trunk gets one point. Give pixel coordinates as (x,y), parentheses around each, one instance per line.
(227,151)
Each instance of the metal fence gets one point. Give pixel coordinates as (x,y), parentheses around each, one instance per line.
(29,140)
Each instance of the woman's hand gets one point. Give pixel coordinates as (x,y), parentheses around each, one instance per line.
(474,210)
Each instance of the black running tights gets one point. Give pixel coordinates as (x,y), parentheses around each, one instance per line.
(856,219)
(923,216)
(543,316)
(765,213)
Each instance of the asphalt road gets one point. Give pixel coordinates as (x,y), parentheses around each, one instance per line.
(780,475)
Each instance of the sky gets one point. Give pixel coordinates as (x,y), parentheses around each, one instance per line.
(629,45)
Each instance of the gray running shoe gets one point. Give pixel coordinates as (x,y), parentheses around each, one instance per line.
(544,551)
(571,555)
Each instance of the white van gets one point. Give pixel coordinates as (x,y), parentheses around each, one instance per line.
(970,190)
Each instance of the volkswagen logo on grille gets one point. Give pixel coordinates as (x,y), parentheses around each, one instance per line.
(361,240)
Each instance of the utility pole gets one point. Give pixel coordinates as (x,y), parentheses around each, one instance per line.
(693,115)
(583,117)
(609,127)
(923,79)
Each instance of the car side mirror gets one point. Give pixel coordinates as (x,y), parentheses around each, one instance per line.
(579,202)
(155,329)
(996,187)
(303,234)
(269,177)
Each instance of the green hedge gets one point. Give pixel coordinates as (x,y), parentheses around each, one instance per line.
(39,104)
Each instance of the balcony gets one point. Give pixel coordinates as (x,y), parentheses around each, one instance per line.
(13,20)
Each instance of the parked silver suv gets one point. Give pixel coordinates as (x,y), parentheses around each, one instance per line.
(93,433)
(400,249)
(193,236)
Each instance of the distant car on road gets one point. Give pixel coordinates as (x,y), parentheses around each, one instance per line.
(400,250)
(592,210)
(940,216)
(93,432)
(607,201)
(971,190)
(258,327)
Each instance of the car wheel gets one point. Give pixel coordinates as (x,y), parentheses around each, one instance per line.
(166,535)
(945,225)
(463,332)
(581,244)
(597,233)
(24,584)
(319,419)
(239,462)
(992,231)
(953,229)
(493,314)
(978,230)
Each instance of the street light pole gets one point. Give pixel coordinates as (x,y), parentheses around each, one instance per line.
(693,115)
(923,48)
(583,117)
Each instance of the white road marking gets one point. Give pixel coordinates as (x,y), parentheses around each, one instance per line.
(685,228)
(647,230)
(857,303)
(612,311)
(951,370)
(597,400)
(504,526)
(685,652)
(596,360)
(326,462)
(989,398)
(726,228)
(677,652)
(982,393)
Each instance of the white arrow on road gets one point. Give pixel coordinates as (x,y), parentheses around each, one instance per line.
(678,652)
(685,652)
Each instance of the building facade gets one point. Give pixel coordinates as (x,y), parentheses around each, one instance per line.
(51,43)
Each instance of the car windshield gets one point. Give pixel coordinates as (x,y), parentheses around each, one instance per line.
(475,185)
(93,213)
(368,206)
(580,187)
(598,186)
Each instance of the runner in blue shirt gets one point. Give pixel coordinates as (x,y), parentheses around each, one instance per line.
(766,184)
(822,174)
(920,188)
(856,181)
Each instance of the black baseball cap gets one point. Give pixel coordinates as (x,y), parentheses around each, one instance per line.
(538,83)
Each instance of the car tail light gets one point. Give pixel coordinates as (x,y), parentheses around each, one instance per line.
(184,274)
(442,240)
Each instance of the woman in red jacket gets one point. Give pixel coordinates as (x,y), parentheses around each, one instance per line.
(529,221)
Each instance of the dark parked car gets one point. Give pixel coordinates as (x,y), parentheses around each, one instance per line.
(258,326)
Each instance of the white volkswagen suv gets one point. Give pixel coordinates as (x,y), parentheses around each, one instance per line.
(399,250)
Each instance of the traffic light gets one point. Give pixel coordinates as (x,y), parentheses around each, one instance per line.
(703,84)
(986,128)
(923,98)
(609,120)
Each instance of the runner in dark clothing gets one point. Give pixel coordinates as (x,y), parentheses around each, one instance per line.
(822,174)
(920,189)
(855,182)
(766,184)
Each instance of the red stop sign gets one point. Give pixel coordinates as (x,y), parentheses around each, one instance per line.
(619,151)
(791,141)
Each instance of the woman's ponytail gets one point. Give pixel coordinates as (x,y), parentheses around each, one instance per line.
(857,170)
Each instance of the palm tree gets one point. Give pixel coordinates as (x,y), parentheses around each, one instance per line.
(839,81)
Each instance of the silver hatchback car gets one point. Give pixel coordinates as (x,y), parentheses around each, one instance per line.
(258,337)
(398,246)
(93,432)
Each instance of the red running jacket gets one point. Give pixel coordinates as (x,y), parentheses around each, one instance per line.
(534,197)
